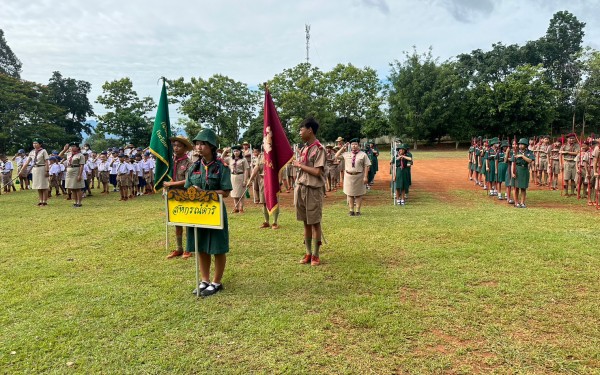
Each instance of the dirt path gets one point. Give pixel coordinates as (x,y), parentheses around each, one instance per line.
(440,176)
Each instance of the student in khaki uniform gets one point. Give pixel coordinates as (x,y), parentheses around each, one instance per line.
(257,178)
(583,166)
(308,194)
(356,173)
(54,176)
(124,176)
(240,172)
(340,144)
(329,167)
(569,151)
(7,168)
(181,166)
(554,164)
(543,160)
(74,176)
(40,170)
(256,183)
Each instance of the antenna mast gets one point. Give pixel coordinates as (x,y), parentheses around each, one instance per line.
(307,29)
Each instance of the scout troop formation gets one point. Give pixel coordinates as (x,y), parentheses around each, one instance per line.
(573,163)
(74,172)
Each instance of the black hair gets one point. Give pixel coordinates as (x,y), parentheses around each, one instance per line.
(310,123)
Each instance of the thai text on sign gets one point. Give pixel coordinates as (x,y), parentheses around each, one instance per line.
(192,208)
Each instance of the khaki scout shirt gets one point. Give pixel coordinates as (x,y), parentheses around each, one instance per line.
(570,148)
(312,156)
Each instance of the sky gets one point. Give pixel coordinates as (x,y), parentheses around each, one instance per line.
(252,40)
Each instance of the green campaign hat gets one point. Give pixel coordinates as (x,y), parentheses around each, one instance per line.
(504,144)
(208,136)
(236,147)
(38,140)
(371,141)
(74,143)
(523,141)
(494,140)
(403,146)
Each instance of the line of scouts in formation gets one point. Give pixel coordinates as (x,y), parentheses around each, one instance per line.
(575,164)
(74,172)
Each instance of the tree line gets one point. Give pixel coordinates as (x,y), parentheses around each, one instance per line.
(546,86)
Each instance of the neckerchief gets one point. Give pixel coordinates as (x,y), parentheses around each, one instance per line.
(354,158)
(206,168)
(184,157)
(71,158)
(308,147)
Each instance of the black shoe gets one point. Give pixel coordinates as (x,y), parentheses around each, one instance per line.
(212,289)
(203,285)
(358,213)
(351,213)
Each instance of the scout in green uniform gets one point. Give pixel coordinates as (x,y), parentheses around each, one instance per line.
(373,155)
(509,158)
(492,166)
(502,168)
(483,155)
(471,153)
(209,173)
(523,158)
(402,177)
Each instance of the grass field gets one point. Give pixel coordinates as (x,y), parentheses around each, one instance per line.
(455,286)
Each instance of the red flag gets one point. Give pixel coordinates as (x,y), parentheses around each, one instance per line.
(277,152)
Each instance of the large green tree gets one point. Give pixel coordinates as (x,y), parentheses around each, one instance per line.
(27,111)
(72,95)
(219,102)
(9,63)
(128,115)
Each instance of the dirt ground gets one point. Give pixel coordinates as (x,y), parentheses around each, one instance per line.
(439,176)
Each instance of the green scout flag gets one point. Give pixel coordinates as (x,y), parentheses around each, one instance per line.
(160,143)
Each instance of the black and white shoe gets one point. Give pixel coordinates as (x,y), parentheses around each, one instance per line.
(211,289)
(201,287)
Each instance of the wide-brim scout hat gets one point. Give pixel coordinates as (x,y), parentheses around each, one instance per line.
(339,139)
(186,142)
(504,144)
(236,147)
(329,146)
(524,141)
(245,143)
(76,144)
(494,140)
(402,147)
(208,136)
(38,140)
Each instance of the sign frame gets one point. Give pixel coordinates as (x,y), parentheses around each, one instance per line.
(199,200)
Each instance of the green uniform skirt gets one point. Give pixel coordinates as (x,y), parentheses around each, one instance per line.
(502,167)
(210,241)
(403,179)
(522,177)
(491,173)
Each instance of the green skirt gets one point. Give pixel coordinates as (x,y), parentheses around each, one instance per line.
(210,241)
(402,179)
(522,177)
(491,173)
(502,167)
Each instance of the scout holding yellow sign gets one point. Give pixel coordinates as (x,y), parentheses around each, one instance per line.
(193,208)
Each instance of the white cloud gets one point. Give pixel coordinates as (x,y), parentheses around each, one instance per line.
(251,41)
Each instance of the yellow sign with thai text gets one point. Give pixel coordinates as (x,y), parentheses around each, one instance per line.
(193,208)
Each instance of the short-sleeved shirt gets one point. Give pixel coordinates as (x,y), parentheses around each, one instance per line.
(238,166)
(522,162)
(42,156)
(180,168)
(312,156)
(361,162)
(75,161)
(570,148)
(544,151)
(214,176)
